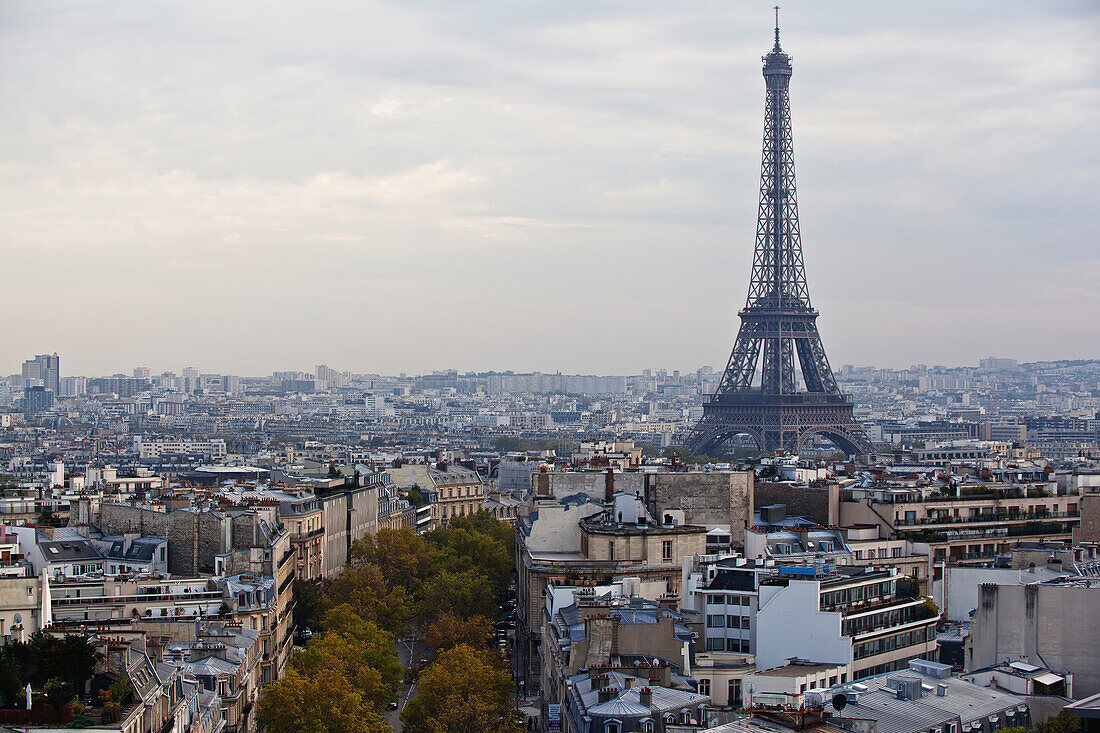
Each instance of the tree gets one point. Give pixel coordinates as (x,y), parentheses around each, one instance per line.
(560,446)
(309,602)
(465,690)
(459,549)
(59,693)
(336,655)
(334,472)
(11,683)
(365,589)
(510,444)
(449,631)
(414,497)
(1063,722)
(683,453)
(464,594)
(401,554)
(770,471)
(376,645)
(320,704)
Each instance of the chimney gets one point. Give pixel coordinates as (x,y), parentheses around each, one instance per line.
(645,697)
(941,690)
(609,484)
(608,693)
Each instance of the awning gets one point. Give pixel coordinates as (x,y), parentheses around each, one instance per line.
(1048,679)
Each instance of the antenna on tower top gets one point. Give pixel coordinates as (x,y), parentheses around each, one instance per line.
(776,27)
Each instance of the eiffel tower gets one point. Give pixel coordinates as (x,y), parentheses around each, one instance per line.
(758,394)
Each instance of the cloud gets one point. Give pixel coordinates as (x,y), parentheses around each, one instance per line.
(247,187)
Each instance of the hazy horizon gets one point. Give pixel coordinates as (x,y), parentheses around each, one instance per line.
(154,371)
(399,187)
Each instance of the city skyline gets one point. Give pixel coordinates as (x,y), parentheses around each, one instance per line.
(406,188)
(715,371)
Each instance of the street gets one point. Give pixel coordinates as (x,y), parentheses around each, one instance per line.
(408,653)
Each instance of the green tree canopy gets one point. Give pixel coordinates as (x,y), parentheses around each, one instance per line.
(1063,722)
(464,594)
(458,549)
(309,602)
(510,444)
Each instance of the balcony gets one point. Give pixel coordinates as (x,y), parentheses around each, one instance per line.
(987,518)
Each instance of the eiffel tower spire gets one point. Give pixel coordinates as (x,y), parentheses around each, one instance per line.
(759,393)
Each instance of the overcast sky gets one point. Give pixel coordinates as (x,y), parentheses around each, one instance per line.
(569,186)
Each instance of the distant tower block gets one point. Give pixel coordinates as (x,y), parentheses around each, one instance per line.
(758,394)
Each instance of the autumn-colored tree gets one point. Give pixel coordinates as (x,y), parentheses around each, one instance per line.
(336,655)
(325,703)
(375,644)
(464,594)
(466,690)
(449,631)
(366,590)
(401,554)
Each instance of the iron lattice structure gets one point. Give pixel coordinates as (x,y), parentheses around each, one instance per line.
(759,394)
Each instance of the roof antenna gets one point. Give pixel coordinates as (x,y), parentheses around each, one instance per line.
(777,28)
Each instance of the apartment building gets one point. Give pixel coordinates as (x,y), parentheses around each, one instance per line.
(965,522)
(608,627)
(837,614)
(451,490)
(581,540)
(155,446)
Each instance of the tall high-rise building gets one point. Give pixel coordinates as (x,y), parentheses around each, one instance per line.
(47,368)
(37,399)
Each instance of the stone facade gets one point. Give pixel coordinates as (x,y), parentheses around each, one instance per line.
(347,516)
(716,499)
(1089,528)
(822,505)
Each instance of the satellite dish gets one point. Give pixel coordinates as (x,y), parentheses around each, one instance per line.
(840,700)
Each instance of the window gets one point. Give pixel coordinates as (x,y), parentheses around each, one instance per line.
(716,644)
(611,550)
(715,621)
(714,600)
(744,622)
(666,550)
(612,726)
(704,687)
(735,692)
(733,622)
